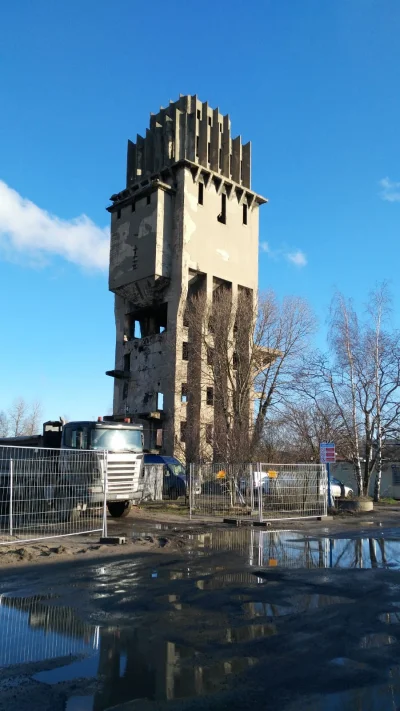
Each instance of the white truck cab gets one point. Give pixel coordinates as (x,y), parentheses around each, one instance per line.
(123,443)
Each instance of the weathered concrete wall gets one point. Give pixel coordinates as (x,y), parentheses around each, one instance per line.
(345,472)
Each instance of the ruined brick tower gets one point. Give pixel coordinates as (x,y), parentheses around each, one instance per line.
(186,221)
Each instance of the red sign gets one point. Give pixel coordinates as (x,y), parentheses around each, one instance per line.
(327,454)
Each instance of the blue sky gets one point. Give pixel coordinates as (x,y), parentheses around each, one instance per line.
(314,86)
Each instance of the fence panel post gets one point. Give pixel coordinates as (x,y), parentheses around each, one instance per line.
(105,489)
(190,489)
(260,503)
(10,511)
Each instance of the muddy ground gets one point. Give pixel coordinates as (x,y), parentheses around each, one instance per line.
(203,616)
(154,527)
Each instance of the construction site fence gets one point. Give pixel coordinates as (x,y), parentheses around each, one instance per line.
(46,493)
(258,491)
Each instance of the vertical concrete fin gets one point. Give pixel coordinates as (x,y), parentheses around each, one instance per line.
(191,137)
(168,140)
(236,159)
(176,136)
(215,141)
(183,132)
(203,136)
(149,152)
(157,147)
(139,155)
(246,162)
(184,103)
(226,147)
(130,163)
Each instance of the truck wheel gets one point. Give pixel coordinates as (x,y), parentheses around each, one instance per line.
(119,509)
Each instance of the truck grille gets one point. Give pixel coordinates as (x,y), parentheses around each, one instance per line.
(122,477)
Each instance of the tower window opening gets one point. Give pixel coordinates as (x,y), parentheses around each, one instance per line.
(160,401)
(184,393)
(245,214)
(185,351)
(222,214)
(148,200)
(201,194)
(209,434)
(118,214)
(210,396)
(147,322)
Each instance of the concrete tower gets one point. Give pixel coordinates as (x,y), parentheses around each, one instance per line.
(186,221)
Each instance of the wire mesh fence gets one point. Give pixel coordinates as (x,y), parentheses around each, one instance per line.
(50,492)
(258,491)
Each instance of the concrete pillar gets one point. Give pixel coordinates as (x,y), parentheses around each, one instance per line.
(215,142)
(236,159)
(130,163)
(246,159)
(149,152)
(176,130)
(226,146)
(191,137)
(139,155)
(157,147)
(203,136)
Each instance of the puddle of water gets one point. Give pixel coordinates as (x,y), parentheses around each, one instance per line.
(129,663)
(298,604)
(373,640)
(390,618)
(32,631)
(289,549)
(249,632)
(378,697)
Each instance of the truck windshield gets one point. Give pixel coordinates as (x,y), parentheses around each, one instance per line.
(116,439)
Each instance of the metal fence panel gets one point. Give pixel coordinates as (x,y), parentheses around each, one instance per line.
(258,491)
(46,493)
(222,489)
(292,490)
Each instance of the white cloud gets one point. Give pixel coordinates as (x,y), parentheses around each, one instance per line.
(298,258)
(390,190)
(29,232)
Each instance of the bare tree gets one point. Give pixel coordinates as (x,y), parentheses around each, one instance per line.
(4,424)
(24,418)
(361,378)
(247,352)
(33,418)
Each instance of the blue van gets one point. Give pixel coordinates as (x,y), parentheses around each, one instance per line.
(175,481)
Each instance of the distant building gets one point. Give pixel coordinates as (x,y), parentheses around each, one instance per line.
(186,222)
